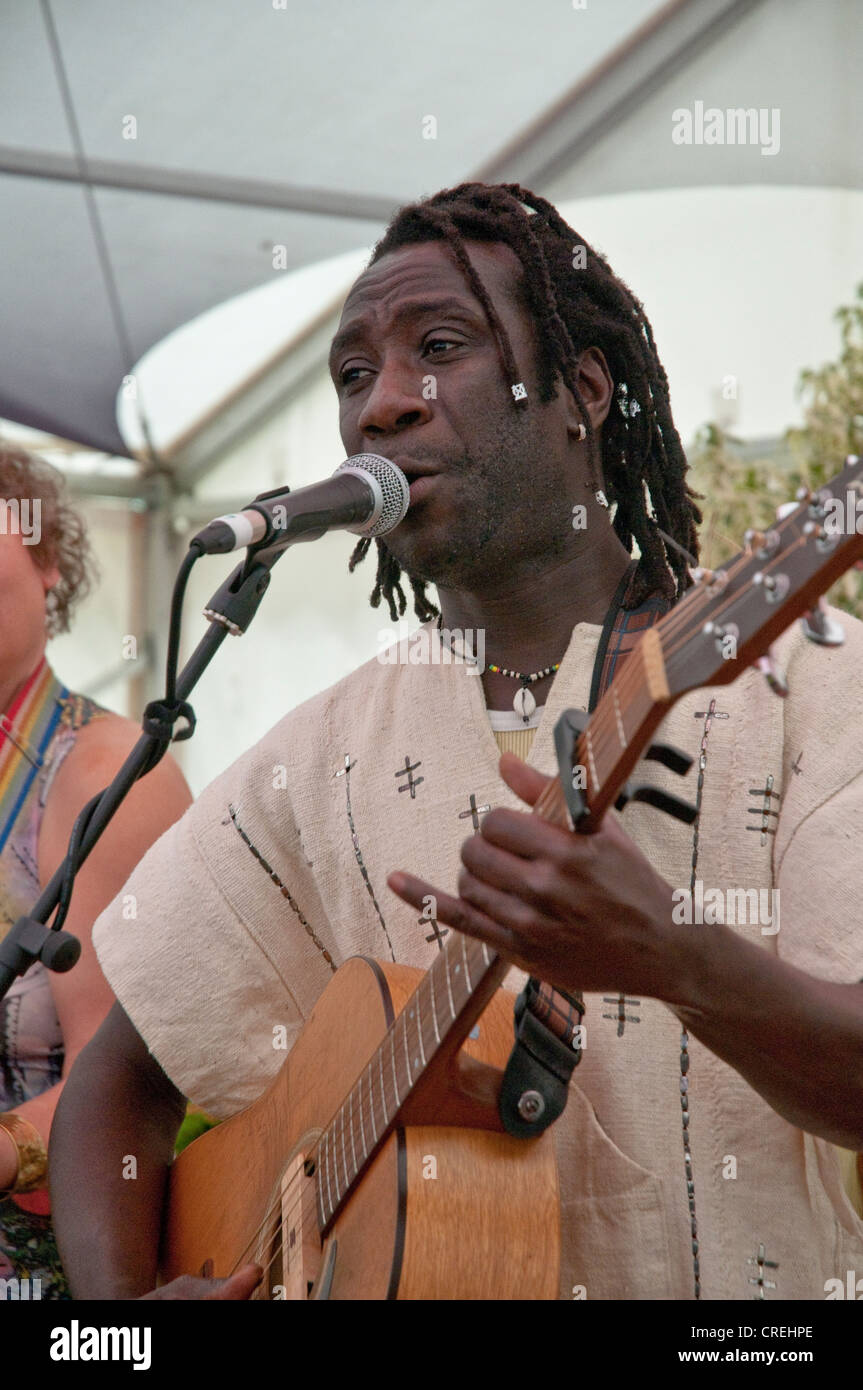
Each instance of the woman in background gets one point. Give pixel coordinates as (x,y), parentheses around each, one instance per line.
(57,750)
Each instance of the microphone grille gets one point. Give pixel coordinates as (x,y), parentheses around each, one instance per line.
(393,488)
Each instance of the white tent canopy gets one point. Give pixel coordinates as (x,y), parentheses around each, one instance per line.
(213,130)
(205,260)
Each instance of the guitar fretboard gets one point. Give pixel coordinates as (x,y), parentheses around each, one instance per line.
(369,1112)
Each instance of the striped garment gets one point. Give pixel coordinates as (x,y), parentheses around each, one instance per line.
(37,732)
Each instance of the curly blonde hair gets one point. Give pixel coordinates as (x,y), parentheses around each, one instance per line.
(63,541)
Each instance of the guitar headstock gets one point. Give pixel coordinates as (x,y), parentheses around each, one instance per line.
(731,616)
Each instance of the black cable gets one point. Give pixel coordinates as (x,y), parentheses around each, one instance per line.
(158,723)
(193,554)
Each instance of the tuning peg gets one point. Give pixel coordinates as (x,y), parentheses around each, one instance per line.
(672,758)
(772,671)
(714,581)
(663,801)
(819,627)
(764,543)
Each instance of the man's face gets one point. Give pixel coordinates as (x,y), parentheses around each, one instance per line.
(419,378)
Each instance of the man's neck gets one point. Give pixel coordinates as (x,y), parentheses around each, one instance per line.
(528,623)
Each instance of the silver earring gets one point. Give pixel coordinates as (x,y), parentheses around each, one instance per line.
(582,431)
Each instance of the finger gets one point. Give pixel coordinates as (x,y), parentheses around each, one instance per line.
(412,890)
(521,920)
(237,1286)
(526,835)
(535,881)
(525,781)
(453,912)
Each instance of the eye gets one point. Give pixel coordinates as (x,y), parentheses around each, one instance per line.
(442,342)
(346,376)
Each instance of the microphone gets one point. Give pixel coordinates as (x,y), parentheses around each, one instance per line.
(367,495)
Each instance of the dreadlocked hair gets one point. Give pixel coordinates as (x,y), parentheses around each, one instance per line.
(576,302)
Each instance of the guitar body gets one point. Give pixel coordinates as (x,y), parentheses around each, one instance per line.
(448,1208)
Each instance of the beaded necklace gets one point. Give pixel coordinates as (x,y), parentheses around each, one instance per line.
(523,701)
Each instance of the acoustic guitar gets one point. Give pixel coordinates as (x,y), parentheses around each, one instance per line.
(375,1165)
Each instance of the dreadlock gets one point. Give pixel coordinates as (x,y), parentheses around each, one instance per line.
(575,304)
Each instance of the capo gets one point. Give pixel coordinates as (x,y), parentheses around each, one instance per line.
(672,758)
(571,724)
(663,801)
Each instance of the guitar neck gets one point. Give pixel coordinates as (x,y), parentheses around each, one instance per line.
(439,1014)
(619,731)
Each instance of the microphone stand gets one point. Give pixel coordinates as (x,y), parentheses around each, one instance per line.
(231,609)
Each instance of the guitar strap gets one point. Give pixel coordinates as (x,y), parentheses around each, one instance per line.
(548,1034)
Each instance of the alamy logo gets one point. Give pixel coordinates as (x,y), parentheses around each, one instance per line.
(20,1290)
(76,1343)
(709,906)
(844,518)
(737,126)
(851,1289)
(21,516)
(428,647)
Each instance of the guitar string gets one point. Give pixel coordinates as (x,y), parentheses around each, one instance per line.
(677,623)
(391,1104)
(275,1210)
(275,1213)
(678,618)
(484,960)
(629,680)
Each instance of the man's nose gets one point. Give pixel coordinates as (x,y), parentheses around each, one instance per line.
(394,402)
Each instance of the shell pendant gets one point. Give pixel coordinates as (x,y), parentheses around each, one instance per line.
(524,703)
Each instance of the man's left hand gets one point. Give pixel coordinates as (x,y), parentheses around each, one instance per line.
(585,912)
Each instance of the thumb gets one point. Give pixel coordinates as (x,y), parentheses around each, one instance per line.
(525,781)
(237,1286)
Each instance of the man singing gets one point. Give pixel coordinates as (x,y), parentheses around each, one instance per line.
(495,357)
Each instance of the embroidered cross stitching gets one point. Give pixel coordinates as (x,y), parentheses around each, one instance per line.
(474,812)
(413,782)
(765,810)
(622,1017)
(437,932)
(761,1263)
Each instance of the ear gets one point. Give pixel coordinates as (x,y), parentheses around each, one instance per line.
(48,571)
(595,385)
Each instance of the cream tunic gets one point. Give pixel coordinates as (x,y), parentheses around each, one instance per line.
(283,859)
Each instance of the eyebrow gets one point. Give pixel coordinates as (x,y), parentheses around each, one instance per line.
(413,309)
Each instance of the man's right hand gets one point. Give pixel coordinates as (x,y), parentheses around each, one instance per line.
(190,1287)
